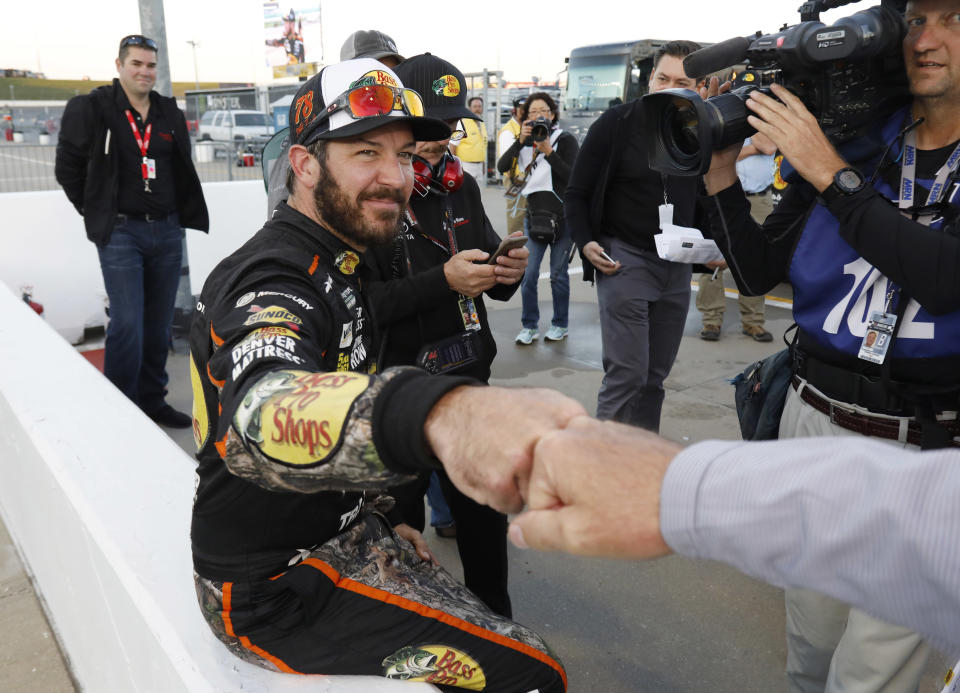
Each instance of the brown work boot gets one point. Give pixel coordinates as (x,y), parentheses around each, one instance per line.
(710,333)
(758,333)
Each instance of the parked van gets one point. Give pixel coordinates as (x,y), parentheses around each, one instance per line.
(240,125)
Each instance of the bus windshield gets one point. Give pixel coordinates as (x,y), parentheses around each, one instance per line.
(593,82)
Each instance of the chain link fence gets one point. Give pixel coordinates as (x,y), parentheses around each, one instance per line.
(28,165)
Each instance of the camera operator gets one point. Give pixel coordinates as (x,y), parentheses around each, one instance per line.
(544,154)
(862,257)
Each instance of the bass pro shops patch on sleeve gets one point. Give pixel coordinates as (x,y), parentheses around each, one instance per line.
(298,418)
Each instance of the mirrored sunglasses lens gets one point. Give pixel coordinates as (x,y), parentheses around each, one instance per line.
(371,100)
(413,102)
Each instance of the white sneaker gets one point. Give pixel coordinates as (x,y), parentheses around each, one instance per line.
(556,334)
(527,336)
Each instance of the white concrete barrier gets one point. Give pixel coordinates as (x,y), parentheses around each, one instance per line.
(43,244)
(97,500)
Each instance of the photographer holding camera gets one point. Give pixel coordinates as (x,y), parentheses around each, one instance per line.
(870,241)
(544,156)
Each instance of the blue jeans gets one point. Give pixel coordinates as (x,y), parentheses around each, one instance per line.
(559,279)
(141,270)
(440,515)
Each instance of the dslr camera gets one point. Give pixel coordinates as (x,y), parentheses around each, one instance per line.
(848,75)
(540,130)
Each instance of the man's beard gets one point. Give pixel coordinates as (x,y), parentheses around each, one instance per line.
(346,217)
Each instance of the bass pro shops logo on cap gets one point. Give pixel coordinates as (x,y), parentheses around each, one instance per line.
(375,77)
(448,85)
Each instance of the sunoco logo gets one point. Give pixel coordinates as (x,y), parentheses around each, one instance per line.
(272,314)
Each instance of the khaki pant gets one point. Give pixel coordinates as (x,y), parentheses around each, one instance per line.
(711,303)
(516,211)
(832,647)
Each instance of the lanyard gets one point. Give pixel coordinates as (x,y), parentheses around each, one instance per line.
(466,305)
(448,226)
(908,172)
(414,225)
(143,143)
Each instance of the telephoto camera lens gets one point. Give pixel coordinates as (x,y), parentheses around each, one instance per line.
(686,130)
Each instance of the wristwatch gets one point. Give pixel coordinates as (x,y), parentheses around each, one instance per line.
(846,181)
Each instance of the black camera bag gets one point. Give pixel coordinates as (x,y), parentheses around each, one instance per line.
(543,225)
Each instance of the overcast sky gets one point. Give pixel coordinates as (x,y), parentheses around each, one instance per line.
(68,39)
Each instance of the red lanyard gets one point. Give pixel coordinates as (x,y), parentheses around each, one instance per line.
(142,142)
(447,227)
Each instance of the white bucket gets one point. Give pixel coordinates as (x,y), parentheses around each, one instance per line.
(18,137)
(204,151)
(44,138)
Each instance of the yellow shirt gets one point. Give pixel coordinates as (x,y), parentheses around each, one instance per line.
(508,133)
(473,147)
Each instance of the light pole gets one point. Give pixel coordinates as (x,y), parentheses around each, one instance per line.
(196,79)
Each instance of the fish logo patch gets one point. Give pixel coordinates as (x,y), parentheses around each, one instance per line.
(347,262)
(448,85)
(375,77)
(437,664)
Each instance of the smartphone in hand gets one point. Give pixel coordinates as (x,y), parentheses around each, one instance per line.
(506,245)
(607,257)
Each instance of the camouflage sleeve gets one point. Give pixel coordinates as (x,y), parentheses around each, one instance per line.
(310,431)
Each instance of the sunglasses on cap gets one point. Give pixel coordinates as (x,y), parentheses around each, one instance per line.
(375,100)
(138,40)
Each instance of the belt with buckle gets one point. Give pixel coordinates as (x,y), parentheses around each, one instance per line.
(124,217)
(874,426)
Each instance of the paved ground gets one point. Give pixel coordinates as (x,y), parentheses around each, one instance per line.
(670,626)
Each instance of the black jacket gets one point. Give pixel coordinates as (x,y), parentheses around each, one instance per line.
(291,419)
(420,308)
(597,164)
(87,165)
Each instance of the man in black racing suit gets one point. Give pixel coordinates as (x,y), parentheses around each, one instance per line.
(298,568)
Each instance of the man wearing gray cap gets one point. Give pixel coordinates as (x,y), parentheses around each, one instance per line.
(300,565)
(371,44)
